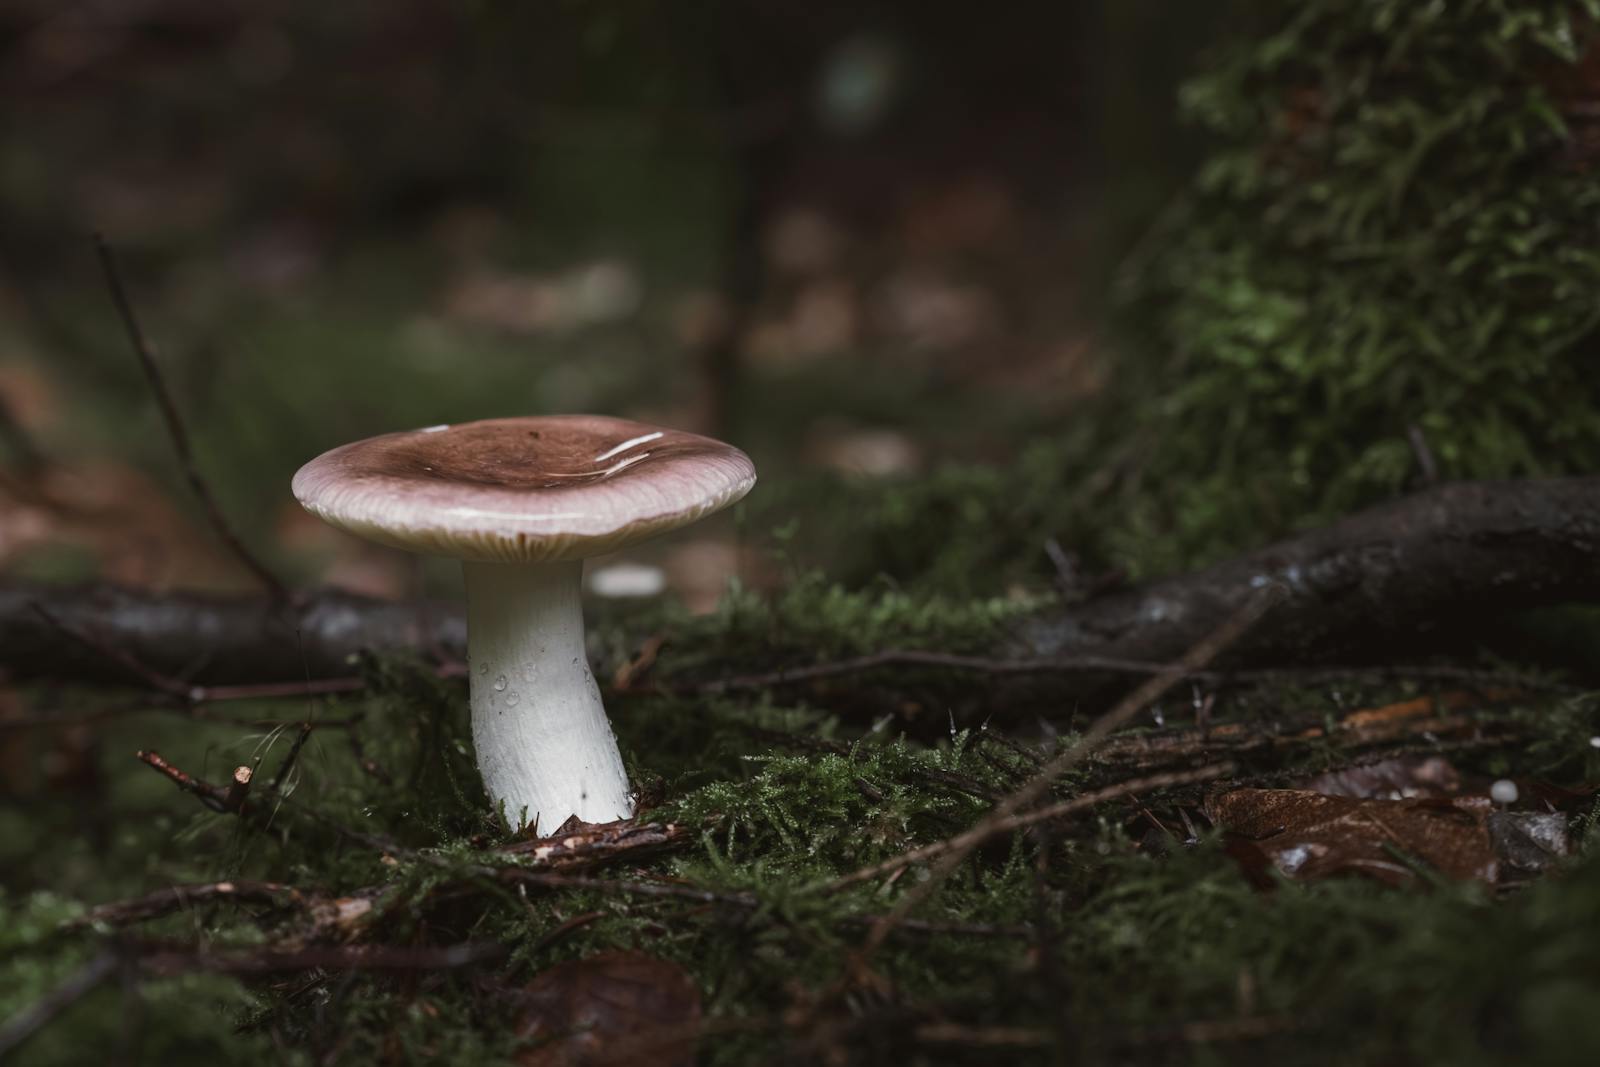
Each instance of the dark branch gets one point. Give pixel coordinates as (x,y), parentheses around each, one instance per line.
(176,430)
(322,957)
(113,654)
(215,797)
(1427,573)
(227,647)
(178,897)
(1415,574)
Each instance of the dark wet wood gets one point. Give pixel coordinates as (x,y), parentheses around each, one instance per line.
(1436,571)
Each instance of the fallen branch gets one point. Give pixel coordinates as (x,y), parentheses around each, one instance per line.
(223,647)
(599,844)
(167,961)
(155,680)
(178,897)
(1024,665)
(1428,572)
(1011,823)
(217,798)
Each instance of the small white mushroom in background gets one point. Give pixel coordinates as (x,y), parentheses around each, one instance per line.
(620,581)
(1503,791)
(1594,742)
(522,502)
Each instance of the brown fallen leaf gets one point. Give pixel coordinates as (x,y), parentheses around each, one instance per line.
(622,1009)
(1309,836)
(1529,842)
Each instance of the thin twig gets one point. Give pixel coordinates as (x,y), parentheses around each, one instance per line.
(996,665)
(1068,580)
(981,1036)
(1010,823)
(238,789)
(561,930)
(25,1023)
(330,957)
(196,712)
(599,843)
(212,796)
(294,754)
(1002,818)
(178,897)
(935,928)
(639,889)
(1419,448)
(205,694)
(153,678)
(176,431)
(903,657)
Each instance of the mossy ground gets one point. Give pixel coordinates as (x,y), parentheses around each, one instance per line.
(1147,937)
(1390,233)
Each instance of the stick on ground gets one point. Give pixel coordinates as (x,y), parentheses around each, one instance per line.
(1431,572)
(1002,817)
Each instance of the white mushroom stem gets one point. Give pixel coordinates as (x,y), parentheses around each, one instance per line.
(544,744)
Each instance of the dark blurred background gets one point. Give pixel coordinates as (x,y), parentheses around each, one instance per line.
(857,238)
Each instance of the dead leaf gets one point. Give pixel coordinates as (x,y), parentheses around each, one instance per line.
(1530,842)
(1309,836)
(617,1008)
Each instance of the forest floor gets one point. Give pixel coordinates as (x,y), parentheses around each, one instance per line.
(1395,863)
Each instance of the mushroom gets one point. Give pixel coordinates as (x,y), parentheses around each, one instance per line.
(522,502)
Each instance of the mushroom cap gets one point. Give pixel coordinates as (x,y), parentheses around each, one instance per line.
(521,490)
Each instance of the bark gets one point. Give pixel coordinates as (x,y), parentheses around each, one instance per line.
(1435,570)
(209,640)
(1421,572)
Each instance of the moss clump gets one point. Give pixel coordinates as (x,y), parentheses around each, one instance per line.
(1149,937)
(1390,232)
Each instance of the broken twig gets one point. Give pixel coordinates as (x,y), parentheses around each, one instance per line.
(176,431)
(1002,818)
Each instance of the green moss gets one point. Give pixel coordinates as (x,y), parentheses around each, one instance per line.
(1392,231)
(1148,938)
(1387,234)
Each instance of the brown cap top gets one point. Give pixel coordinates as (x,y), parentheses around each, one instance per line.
(526,489)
